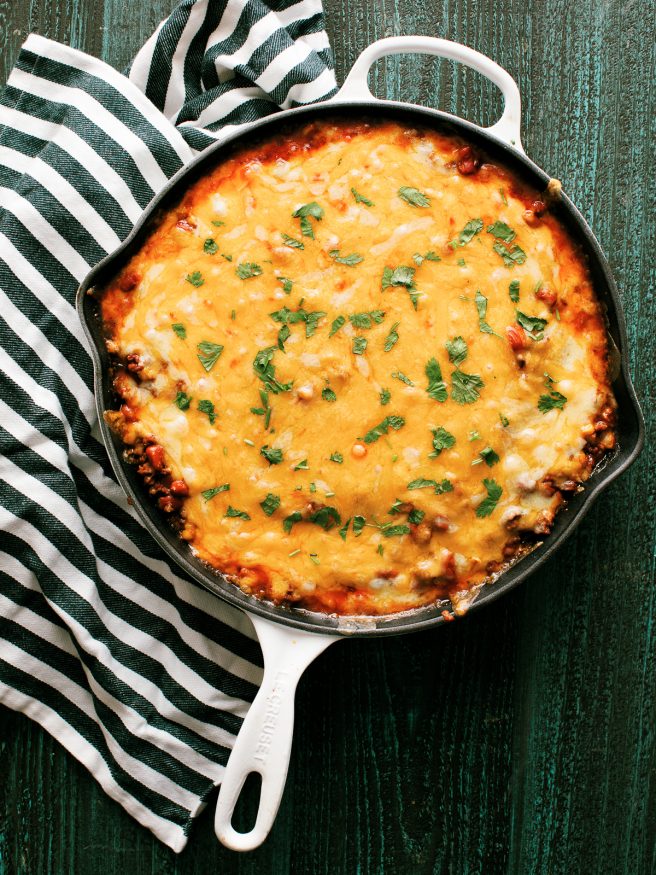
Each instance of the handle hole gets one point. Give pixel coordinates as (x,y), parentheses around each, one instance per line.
(450,86)
(248,802)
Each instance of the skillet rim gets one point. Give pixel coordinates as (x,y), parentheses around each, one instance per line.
(631,432)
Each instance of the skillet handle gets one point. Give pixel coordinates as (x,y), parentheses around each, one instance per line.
(507,129)
(265,738)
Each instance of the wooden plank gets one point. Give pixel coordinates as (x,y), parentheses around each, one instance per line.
(520,740)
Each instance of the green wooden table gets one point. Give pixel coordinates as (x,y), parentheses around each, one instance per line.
(523,739)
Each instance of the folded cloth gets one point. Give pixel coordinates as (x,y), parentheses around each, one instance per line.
(138,672)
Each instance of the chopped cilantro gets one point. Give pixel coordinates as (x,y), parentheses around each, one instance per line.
(501,231)
(413,196)
(395,422)
(328,395)
(303,213)
(481,309)
(422,483)
(391,530)
(442,440)
(464,387)
(227,257)
(359,345)
(533,325)
(513,291)
(182,400)
(505,422)
(401,276)
(429,256)
(270,504)
(366,320)
(504,199)
(474,436)
(283,335)
(385,396)
(218,223)
(343,531)
(233,315)
(457,349)
(337,324)
(489,456)
(337,457)
(554,400)
(399,375)
(207,407)
(247,270)
(290,520)
(286,284)
(180,330)
(392,337)
(312,322)
(211,246)
(361,199)
(436,388)
(494,492)
(302,466)
(461,262)
(273,456)
(266,371)
(359,523)
(416,516)
(350,260)
(208,353)
(195,278)
(326,517)
(471,229)
(511,256)
(292,242)
(210,493)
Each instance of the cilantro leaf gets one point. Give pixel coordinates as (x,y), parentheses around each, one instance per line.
(208,353)
(266,371)
(337,324)
(436,388)
(283,335)
(511,256)
(180,330)
(343,531)
(416,516)
(273,456)
(286,284)
(505,422)
(481,308)
(385,396)
(552,401)
(182,400)
(489,456)
(350,260)
(210,246)
(290,520)
(237,514)
(395,422)
(328,395)
(413,196)
(392,338)
(471,229)
(494,492)
(359,345)
(464,387)
(218,223)
(312,322)
(359,523)
(303,213)
(195,278)
(501,231)
(207,407)
(533,325)
(270,504)
(442,440)
(391,530)
(326,517)
(457,349)
(361,199)
(513,291)
(302,466)
(401,276)
(399,375)
(210,493)
(337,457)
(292,242)
(422,483)
(247,270)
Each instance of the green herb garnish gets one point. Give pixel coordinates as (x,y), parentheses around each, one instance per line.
(481,309)
(286,284)
(304,213)
(208,353)
(394,422)
(416,516)
(302,466)
(464,387)
(210,246)
(385,396)
(494,492)
(182,400)
(247,270)
(392,337)
(290,520)
(436,388)
(513,291)
(292,242)
(236,514)
(399,375)
(501,231)
(391,530)
(401,276)
(358,345)
(554,400)
(413,196)
(336,457)
(457,349)
(361,199)
(210,493)
(511,256)
(533,325)
(207,407)
(326,517)
(442,440)
(489,456)
(471,229)
(328,395)
(266,371)
(350,260)
(359,523)
(180,330)
(273,456)
(366,320)
(270,504)
(218,223)
(195,278)
(337,324)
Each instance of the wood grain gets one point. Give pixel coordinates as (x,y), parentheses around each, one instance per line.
(521,740)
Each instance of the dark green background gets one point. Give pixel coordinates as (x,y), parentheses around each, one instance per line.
(522,739)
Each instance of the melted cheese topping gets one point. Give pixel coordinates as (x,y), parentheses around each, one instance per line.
(325,328)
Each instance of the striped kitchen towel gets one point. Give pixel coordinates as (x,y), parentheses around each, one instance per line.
(139,673)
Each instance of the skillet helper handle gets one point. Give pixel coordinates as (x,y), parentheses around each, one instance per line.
(507,128)
(265,739)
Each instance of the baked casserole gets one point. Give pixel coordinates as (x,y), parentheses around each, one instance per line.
(360,367)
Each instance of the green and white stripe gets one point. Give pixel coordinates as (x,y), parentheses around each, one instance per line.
(141,674)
